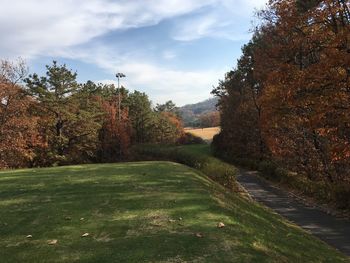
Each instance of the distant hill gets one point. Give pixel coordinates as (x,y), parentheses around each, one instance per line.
(191,114)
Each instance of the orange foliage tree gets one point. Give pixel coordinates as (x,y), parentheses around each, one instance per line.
(210,119)
(19,134)
(295,89)
(115,134)
(307,91)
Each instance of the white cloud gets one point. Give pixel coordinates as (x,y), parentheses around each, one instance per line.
(168,54)
(68,28)
(34,27)
(161,84)
(229,19)
(195,28)
(37,27)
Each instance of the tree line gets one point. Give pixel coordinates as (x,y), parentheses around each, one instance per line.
(201,115)
(54,120)
(288,98)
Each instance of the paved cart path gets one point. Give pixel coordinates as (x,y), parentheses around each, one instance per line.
(332,230)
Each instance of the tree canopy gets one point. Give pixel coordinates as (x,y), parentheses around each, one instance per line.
(57,120)
(288,98)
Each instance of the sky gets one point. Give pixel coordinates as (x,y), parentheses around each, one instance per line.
(171,49)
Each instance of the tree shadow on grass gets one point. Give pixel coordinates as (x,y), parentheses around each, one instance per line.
(144,212)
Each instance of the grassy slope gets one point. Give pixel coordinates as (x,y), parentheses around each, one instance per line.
(128,210)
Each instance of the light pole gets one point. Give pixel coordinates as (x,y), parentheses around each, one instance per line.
(119,76)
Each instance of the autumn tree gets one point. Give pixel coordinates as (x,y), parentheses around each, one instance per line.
(167,124)
(69,120)
(19,134)
(115,132)
(308,89)
(210,119)
(241,110)
(288,99)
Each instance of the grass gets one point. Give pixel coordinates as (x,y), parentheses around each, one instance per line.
(206,134)
(196,156)
(132,212)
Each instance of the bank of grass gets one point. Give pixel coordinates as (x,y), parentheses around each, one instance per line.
(141,212)
(197,156)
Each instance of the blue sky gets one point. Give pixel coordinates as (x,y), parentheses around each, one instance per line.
(170,49)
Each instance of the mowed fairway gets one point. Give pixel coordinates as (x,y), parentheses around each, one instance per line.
(141,212)
(206,134)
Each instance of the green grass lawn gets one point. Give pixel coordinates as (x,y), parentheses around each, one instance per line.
(141,212)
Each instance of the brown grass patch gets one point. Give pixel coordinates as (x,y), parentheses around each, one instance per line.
(206,134)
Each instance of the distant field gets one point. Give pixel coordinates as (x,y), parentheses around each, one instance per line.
(141,212)
(206,134)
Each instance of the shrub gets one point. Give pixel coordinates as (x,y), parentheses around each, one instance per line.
(215,169)
(341,195)
(188,138)
(336,193)
(269,168)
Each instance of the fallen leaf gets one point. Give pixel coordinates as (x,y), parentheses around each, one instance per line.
(52,242)
(85,235)
(200,235)
(221,225)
